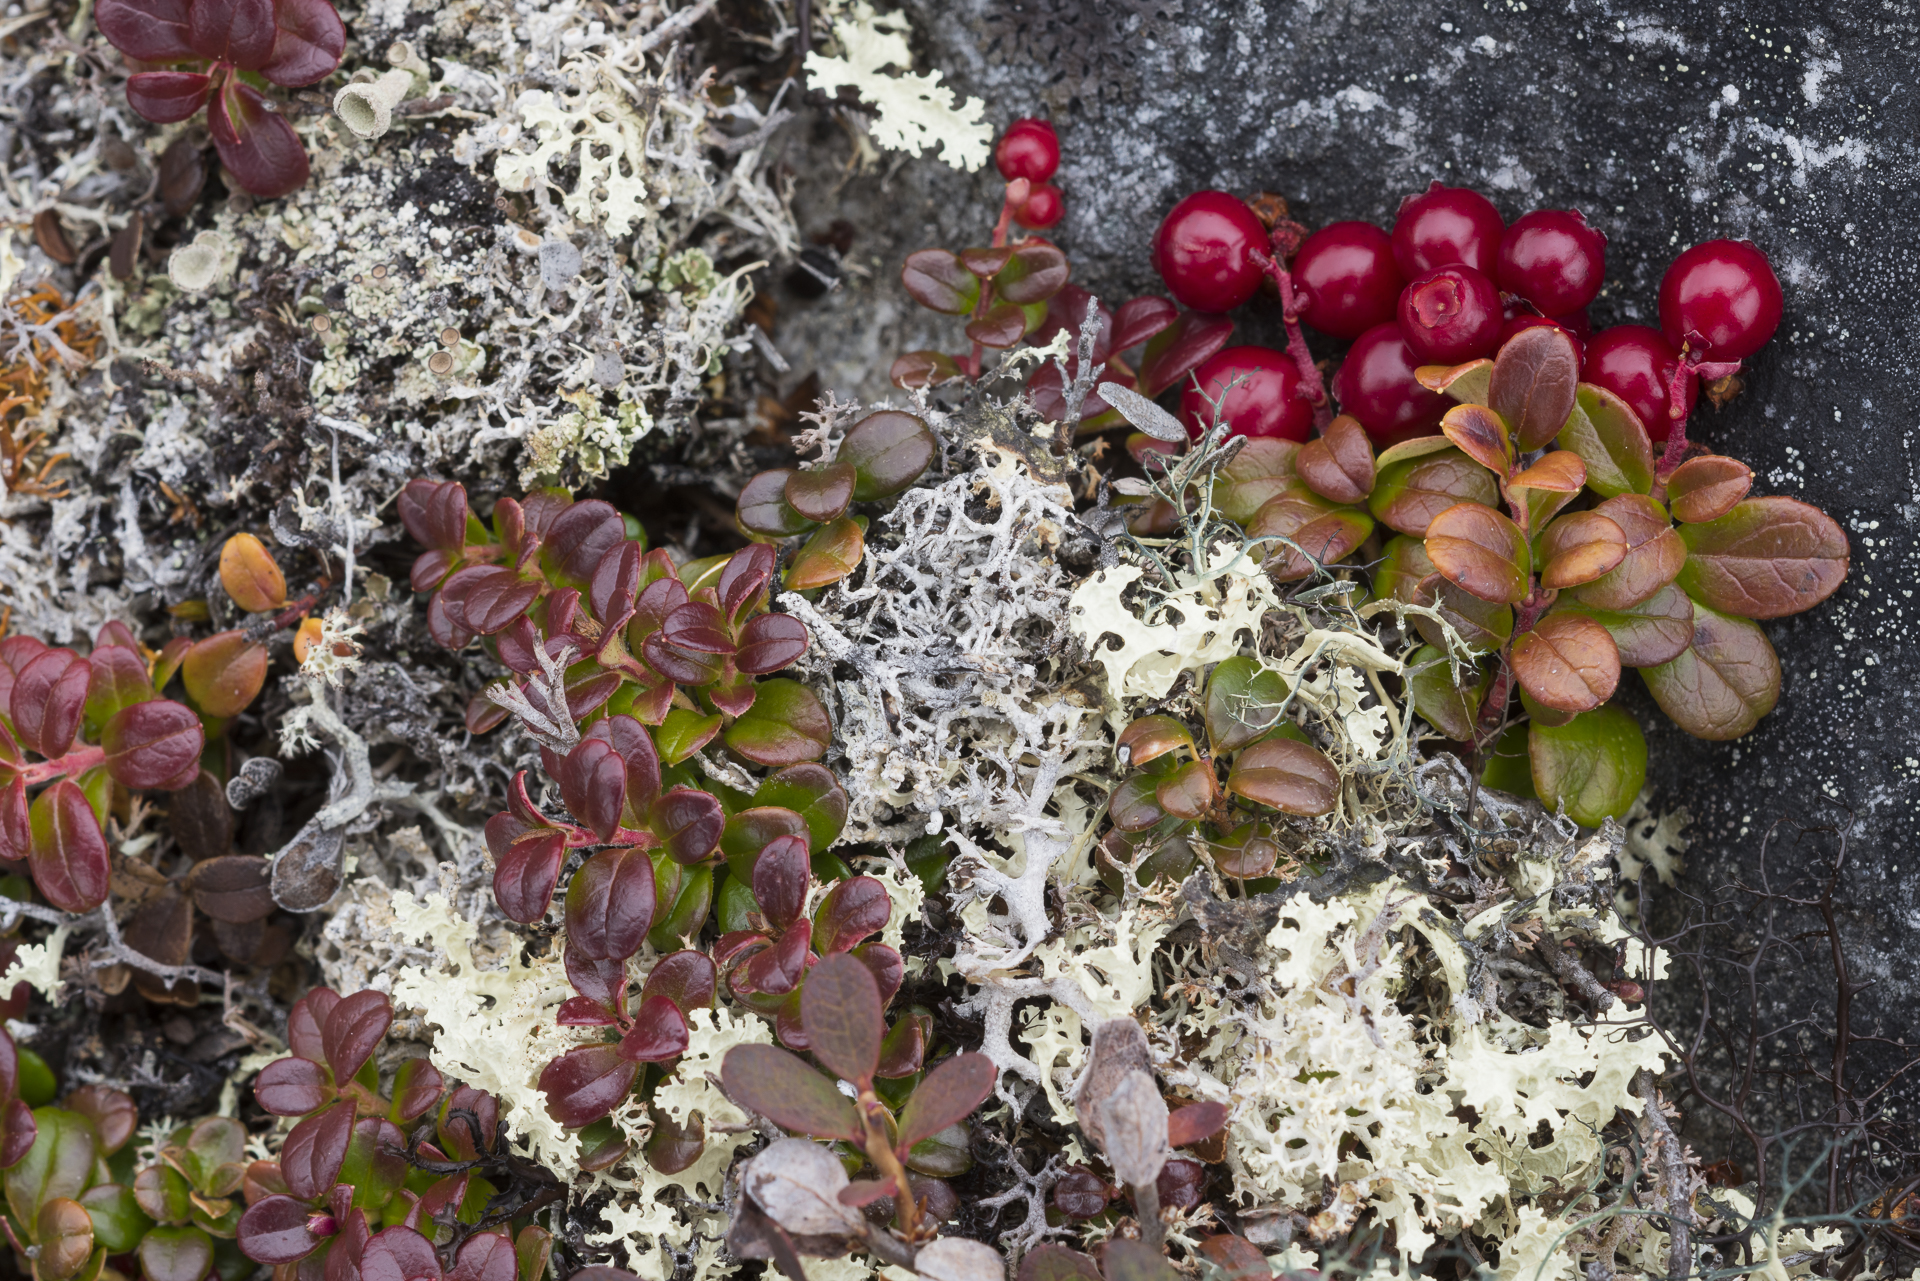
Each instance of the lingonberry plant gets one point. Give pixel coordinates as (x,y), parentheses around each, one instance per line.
(220,50)
(1020,290)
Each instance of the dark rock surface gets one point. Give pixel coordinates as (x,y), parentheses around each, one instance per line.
(1790,124)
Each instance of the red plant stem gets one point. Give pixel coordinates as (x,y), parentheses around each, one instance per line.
(1313,389)
(1495,706)
(1706,370)
(76,762)
(1017,192)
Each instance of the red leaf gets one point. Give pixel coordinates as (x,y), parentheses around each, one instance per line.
(689,822)
(167,97)
(398,1254)
(593,785)
(600,980)
(16,832)
(616,584)
(353,1031)
(485,1256)
(885,963)
(308,41)
(49,698)
(524,878)
(487,598)
(582,1011)
(443,625)
(659,1032)
(311,1158)
(577,539)
(698,627)
(743,578)
(780,1087)
(853,910)
(686,978)
(945,1097)
(1195,1122)
(770,642)
(150,30)
(779,969)
(292,1086)
(20,1130)
(417,1086)
(521,804)
(840,1010)
(152,742)
(236,31)
(256,144)
(274,1231)
(585,1084)
(780,879)
(305,1021)
(469,1123)
(636,749)
(610,904)
(434,511)
(67,853)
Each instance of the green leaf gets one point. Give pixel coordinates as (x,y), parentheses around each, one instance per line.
(1321,533)
(828,556)
(812,792)
(785,726)
(780,1087)
(888,450)
(1508,768)
(1243,701)
(748,831)
(1412,491)
(946,1155)
(1403,563)
(118,1221)
(1483,625)
(176,1254)
(1726,679)
(945,1097)
(1468,384)
(689,911)
(1766,558)
(58,1165)
(683,733)
(1594,765)
(1611,441)
(1262,471)
(1449,708)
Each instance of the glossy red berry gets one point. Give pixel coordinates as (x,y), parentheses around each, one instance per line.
(1553,259)
(1347,279)
(1450,315)
(1444,227)
(1044,208)
(1724,294)
(1636,364)
(1029,149)
(1529,321)
(1257,391)
(1205,250)
(1376,385)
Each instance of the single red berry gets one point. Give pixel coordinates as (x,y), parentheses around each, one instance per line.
(1722,293)
(1553,259)
(1527,320)
(1445,226)
(1347,279)
(1451,314)
(1029,149)
(1376,385)
(1205,250)
(1636,364)
(1043,209)
(1256,391)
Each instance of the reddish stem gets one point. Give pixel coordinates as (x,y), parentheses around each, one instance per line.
(1689,364)
(1495,707)
(1313,389)
(74,763)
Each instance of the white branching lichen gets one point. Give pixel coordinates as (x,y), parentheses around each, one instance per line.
(916,112)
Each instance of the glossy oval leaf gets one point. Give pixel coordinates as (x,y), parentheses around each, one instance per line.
(1765,558)
(151,744)
(224,673)
(1707,488)
(824,494)
(828,556)
(763,508)
(1533,382)
(1467,384)
(1264,468)
(1593,766)
(250,576)
(1244,699)
(1411,492)
(1481,435)
(1567,662)
(1655,631)
(1611,440)
(1655,554)
(1558,472)
(782,1088)
(1294,778)
(1578,548)
(1339,465)
(1480,551)
(1317,534)
(1723,683)
(811,791)
(786,725)
(939,281)
(66,850)
(586,1083)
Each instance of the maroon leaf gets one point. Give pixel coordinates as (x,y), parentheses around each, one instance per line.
(311,1158)
(616,583)
(354,1029)
(782,1088)
(636,750)
(601,981)
(781,877)
(689,823)
(168,97)
(686,978)
(1339,465)
(150,30)
(779,969)
(16,831)
(884,964)
(1000,326)
(342,1262)
(49,698)
(117,679)
(236,31)
(398,1254)
(444,625)
(1080,1194)
(469,1122)
(610,904)
(823,495)
(743,578)
(308,41)
(763,508)
(593,785)
(485,1256)
(659,1032)
(1049,1262)
(1140,319)
(256,143)
(770,642)
(948,1094)
(938,280)
(853,910)
(524,877)
(1181,348)
(1127,1260)
(306,1021)
(151,743)
(292,1086)
(697,626)
(585,1084)
(67,852)
(677,664)
(1292,777)
(18,1130)
(1035,271)
(434,511)
(840,1009)
(904,1050)
(577,540)
(490,597)
(1533,383)
(274,1231)
(417,1086)
(1196,1121)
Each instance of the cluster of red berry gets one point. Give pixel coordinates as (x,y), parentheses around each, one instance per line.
(1450,284)
(1030,150)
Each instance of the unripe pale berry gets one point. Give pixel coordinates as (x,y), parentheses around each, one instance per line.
(1257,391)
(1205,250)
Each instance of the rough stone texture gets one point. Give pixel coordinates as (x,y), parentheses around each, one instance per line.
(1666,125)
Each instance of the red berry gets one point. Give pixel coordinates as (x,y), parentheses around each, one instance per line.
(1635,363)
(1451,314)
(1255,388)
(1347,278)
(1553,259)
(1044,208)
(1205,249)
(1376,385)
(1030,149)
(1528,321)
(1724,294)
(1445,226)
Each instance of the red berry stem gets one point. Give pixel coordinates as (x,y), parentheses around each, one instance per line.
(1689,364)
(1286,236)
(1017,192)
